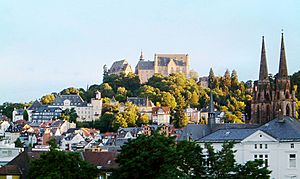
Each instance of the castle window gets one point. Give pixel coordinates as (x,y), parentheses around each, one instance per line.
(255,146)
(292,145)
(260,146)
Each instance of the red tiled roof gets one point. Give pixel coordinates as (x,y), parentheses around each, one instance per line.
(10,170)
(107,160)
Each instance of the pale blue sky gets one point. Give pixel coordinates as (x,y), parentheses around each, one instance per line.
(46,46)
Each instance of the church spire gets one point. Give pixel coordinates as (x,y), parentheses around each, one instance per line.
(263,71)
(282,64)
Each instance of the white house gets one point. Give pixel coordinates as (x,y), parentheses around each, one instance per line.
(161,115)
(85,111)
(276,142)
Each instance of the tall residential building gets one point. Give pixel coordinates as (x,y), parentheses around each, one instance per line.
(271,100)
(164,64)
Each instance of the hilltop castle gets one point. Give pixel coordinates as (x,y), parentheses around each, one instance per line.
(164,64)
(271,100)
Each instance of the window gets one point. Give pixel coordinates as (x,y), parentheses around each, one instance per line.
(260,146)
(266,161)
(261,156)
(292,161)
(255,157)
(255,146)
(266,146)
(292,146)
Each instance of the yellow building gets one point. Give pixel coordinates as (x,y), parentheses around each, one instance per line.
(164,64)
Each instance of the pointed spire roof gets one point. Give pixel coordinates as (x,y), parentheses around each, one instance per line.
(211,107)
(142,55)
(282,63)
(263,71)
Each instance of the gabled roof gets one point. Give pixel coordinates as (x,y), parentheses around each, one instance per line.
(102,160)
(74,99)
(285,129)
(145,65)
(10,170)
(35,105)
(228,135)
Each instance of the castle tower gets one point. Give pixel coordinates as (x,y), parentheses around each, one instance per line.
(261,105)
(283,96)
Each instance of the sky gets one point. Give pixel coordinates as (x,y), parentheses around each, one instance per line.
(47,46)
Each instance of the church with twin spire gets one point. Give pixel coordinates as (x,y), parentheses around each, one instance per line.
(271,99)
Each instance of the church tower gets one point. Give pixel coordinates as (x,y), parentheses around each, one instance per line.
(269,99)
(261,105)
(283,96)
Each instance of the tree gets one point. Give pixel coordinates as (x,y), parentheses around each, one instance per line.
(143,119)
(18,143)
(167,99)
(119,121)
(106,90)
(25,115)
(70,90)
(60,164)
(69,115)
(180,118)
(105,122)
(157,156)
(48,99)
(222,164)
(194,75)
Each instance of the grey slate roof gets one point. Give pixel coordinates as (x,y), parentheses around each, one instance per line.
(194,131)
(118,66)
(287,129)
(228,135)
(75,100)
(164,61)
(140,101)
(35,105)
(145,65)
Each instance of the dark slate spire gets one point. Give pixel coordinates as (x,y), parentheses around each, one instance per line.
(211,112)
(263,71)
(282,64)
(211,107)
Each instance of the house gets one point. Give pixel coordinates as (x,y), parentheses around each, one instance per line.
(193,115)
(8,152)
(277,143)
(10,171)
(104,161)
(144,104)
(161,115)
(85,111)
(17,114)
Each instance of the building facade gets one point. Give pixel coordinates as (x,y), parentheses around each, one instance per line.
(118,67)
(164,64)
(277,143)
(85,111)
(271,99)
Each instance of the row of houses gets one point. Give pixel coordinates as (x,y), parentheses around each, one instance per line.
(38,112)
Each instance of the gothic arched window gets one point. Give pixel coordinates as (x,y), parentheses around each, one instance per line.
(287,110)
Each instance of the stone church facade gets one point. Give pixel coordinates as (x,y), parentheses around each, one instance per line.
(164,64)
(272,99)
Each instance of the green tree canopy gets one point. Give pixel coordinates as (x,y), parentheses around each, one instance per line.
(60,165)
